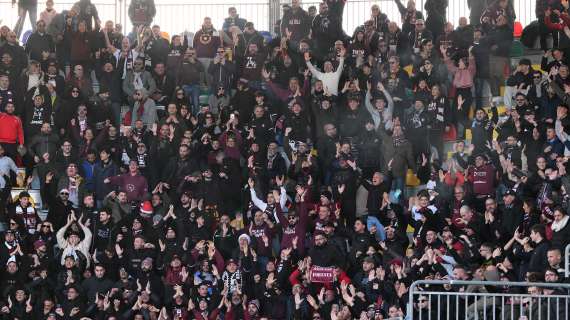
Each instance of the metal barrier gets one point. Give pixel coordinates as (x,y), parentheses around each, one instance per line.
(441,299)
(172,16)
(567,261)
(175,17)
(357,11)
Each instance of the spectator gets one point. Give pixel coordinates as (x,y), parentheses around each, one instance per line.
(233,20)
(142,12)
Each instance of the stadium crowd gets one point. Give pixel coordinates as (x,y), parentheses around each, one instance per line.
(285,193)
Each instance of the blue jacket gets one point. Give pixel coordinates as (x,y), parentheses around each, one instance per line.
(101,173)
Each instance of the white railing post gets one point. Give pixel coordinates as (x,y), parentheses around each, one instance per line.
(567,261)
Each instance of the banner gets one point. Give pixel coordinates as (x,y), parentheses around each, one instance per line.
(322,274)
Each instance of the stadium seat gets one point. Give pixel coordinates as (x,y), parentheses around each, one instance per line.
(411,179)
(409,69)
(517,50)
(517,29)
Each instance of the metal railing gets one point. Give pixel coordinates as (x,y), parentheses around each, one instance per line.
(357,11)
(441,299)
(175,17)
(567,261)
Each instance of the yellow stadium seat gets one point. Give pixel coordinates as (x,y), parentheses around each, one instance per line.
(409,69)
(468,135)
(411,179)
(537,67)
(165,35)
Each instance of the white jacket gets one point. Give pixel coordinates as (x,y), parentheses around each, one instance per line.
(330,79)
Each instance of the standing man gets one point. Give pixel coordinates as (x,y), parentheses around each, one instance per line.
(233,20)
(296,24)
(26,6)
(206,41)
(141,12)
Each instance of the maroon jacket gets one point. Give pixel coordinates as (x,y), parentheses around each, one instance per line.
(298,230)
(135,186)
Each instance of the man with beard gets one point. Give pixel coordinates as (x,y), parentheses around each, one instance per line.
(177,169)
(156,48)
(325,30)
(59,206)
(295,24)
(97,284)
(296,223)
(329,77)
(40,44)
(141,12)
(206,42)
(251,64)
(11,131)
(7,95)
(233,20)
(324,254)
(102,231)
(409,15)
(132,182)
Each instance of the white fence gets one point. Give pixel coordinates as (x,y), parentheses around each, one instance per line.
(439,299)
(176,17)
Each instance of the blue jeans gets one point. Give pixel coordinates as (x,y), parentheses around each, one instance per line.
(380,232)
(398,184)
(192,91)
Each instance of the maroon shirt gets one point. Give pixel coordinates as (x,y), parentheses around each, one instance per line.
(298,230)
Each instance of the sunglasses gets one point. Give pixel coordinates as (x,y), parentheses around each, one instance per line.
(64,193)
(75,91)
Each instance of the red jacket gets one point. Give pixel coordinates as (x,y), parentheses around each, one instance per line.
(11,130)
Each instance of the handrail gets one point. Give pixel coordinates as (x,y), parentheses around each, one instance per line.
(567,261)
(412,289)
